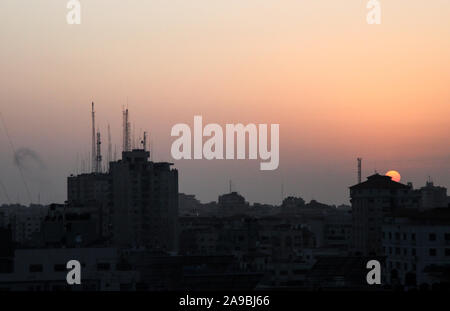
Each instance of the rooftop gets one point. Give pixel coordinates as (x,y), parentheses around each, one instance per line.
(378,181)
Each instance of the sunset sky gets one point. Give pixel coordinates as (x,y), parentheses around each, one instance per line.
(338,87)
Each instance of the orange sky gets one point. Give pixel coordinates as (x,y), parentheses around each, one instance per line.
(339,88)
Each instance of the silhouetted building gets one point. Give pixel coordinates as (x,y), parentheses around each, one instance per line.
(91,191)
(24,221)
(144,202)
(68,226)
(45,270)
(232,200)
(88,189)
(417,247)
(433,196)
(292,205)
(343,273)
(188,204)
(199,273)
(338,230)
(371,201)
(6,250)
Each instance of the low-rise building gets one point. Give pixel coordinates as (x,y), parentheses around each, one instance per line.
(46,270)
(414,244)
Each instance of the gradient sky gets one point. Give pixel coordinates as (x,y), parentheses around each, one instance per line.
(338,87)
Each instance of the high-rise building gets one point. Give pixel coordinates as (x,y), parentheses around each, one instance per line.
(371,201)
(89,194)
(136,202)
(143,202)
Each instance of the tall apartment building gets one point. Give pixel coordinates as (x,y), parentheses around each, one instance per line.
(143,202)
(137,201)
(371,201)
(90,193)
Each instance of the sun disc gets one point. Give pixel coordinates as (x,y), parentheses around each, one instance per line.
(395,176)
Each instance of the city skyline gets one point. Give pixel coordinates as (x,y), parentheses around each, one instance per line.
(339,88)
(225,154)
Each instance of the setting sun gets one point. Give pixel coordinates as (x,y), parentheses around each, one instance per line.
(394,175)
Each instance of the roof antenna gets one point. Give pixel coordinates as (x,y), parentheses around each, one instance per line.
(359,170)
(109,146)
(144,141)
(98,163)
(93,154)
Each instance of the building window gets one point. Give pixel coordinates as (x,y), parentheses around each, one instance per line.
(36,268)
(413,251)
(447,252)
(432,237)
(447,236)
(432,252)
(413,236)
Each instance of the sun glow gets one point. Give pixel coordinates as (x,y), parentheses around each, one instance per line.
(395,176)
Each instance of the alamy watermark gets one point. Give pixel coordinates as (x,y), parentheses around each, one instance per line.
(73,17)
(374,15)
(74,275)
(374,275)
(213,148)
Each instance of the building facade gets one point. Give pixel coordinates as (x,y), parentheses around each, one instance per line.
(144,202)
(371,201)
(416,246)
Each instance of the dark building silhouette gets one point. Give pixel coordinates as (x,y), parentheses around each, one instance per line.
(143,202)
(135,203)
(416,245)
(232,200)
(339,272)
(68,226)
(371,201)
(88,189)
(90,193)
(6,250)
(433,196)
